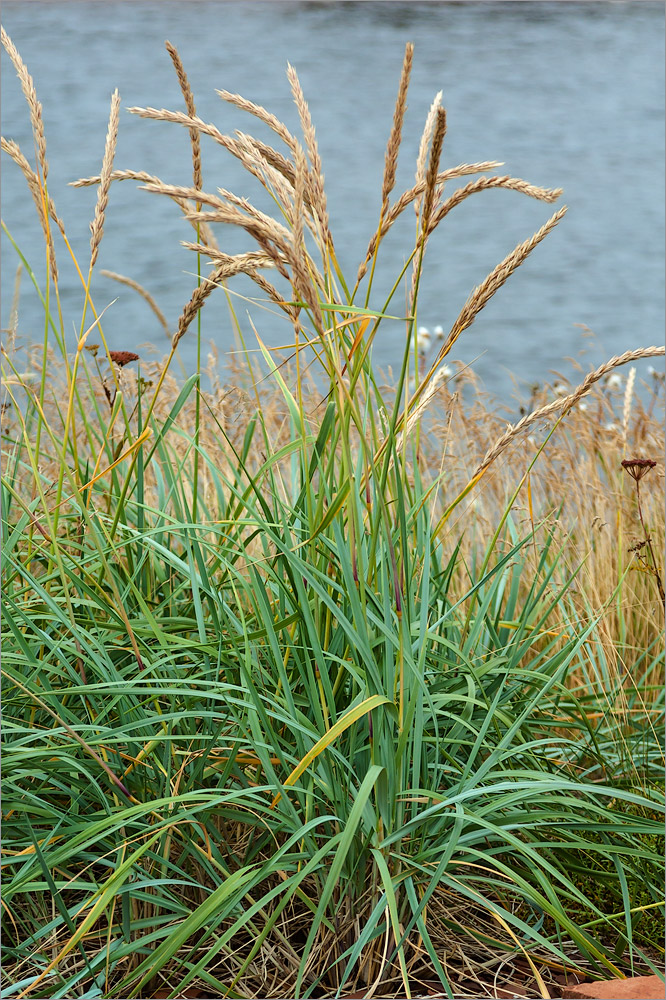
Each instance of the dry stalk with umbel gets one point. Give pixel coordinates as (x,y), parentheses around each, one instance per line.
(638,468)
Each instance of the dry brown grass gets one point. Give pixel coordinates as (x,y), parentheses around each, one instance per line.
(577,486)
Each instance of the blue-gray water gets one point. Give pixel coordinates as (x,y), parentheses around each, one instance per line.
(566,94)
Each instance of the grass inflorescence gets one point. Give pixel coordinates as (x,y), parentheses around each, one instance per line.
(315,684)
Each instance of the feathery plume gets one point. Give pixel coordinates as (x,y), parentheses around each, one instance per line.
(195,136)
(395,137)
(30,94)
(422,157)
(314,178)
(97,225)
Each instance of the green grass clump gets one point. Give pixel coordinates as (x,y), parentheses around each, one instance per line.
(277,722)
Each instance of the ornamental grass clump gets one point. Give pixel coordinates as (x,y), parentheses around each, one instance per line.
(300,700)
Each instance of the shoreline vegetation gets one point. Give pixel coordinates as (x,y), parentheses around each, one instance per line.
(314,685)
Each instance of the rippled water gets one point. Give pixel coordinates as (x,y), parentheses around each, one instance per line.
(566,94)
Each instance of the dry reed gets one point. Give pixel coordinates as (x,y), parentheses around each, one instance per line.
(14,151)
(483,184)
(252,163)
(430,196)
(439,132)
(438,373)
(279,183)
(39,197)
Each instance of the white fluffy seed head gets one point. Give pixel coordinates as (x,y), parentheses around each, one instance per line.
(560,389)
(614,381)
(439,332)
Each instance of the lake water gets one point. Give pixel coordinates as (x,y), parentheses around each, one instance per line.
(566,94)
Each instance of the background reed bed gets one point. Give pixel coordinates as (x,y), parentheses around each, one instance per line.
(317,681)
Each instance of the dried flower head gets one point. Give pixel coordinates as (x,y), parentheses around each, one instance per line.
(123,357)
(638,467)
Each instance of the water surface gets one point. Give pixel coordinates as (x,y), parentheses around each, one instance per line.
(566,94)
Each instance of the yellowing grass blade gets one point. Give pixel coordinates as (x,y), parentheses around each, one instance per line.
(347,720)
